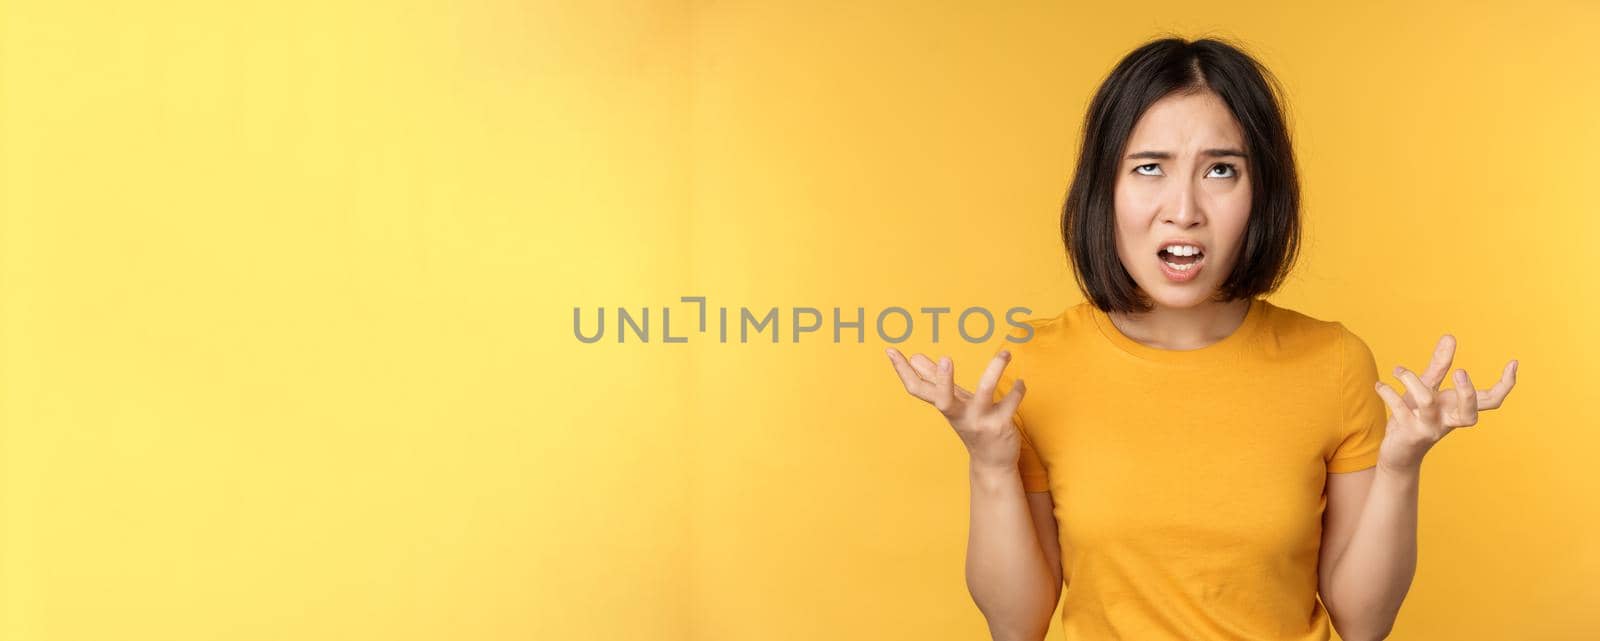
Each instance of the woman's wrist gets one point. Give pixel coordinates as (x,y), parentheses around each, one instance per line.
(993,474)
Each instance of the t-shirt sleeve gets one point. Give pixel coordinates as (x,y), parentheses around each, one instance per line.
(1363,414)
(1034,478)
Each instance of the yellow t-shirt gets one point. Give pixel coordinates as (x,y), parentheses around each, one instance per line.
(1188,484)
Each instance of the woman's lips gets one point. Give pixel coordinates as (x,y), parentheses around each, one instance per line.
(1177,275)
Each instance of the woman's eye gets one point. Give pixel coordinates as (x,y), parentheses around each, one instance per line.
(1154,169)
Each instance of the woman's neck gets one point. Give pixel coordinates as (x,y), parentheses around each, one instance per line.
(1183,328)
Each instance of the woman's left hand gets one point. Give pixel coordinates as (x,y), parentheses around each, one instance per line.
(1426,414)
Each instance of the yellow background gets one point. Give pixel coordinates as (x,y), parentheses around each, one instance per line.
(287,290)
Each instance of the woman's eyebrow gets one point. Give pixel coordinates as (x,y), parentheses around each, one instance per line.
(1167,155)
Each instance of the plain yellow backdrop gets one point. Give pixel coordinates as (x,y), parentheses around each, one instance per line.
(286,294)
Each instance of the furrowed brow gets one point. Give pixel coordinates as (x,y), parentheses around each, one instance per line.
(1165,155)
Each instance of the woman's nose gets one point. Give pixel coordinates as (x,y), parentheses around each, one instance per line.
(1183,207)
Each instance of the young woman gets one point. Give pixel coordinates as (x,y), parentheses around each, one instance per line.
(1197,463)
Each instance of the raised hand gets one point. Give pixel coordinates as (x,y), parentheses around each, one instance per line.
(984,426)
(1425,414)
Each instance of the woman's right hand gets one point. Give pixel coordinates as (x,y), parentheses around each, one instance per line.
(983,425)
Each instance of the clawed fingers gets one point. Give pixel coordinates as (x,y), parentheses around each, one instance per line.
(1466,414)
(944,385)
(1444,351)
(915,384)
(1457,407)
(1421,395)
(1397,406)
(930,371)
(1008,405)
(991,375)
(1492,398)
(927,380)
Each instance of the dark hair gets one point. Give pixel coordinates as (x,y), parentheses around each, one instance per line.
(1149,73)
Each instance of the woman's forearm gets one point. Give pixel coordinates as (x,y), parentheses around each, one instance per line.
(1371,577)
(1007,573)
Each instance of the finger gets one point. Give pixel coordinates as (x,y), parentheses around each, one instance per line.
(1466,400)
(1013,399)
(1491,399)
(1405,396)
(1397,407)
(1406,399)
(991,375)
(929,371)
(914,384)
(944,386)
(1443,352)
(1427,410)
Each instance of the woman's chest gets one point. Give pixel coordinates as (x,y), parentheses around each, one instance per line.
(1202,466)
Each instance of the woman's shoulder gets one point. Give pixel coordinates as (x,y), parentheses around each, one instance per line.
(1050,332)
(1300,330)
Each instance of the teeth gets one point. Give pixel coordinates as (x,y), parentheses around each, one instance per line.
(1181,268)
(1183,250)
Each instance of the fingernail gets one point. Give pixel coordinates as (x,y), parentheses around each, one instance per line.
(1005,353)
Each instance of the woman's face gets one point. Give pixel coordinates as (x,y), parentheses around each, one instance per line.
(1183,177)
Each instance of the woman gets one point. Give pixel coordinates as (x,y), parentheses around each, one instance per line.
(1197,463)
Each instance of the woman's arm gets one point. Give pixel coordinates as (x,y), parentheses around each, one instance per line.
(1009,572)
(1369,578)
(1365,582)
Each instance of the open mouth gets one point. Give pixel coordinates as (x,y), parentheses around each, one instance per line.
(1181,260)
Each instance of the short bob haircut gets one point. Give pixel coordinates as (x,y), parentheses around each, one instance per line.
(1149,73)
